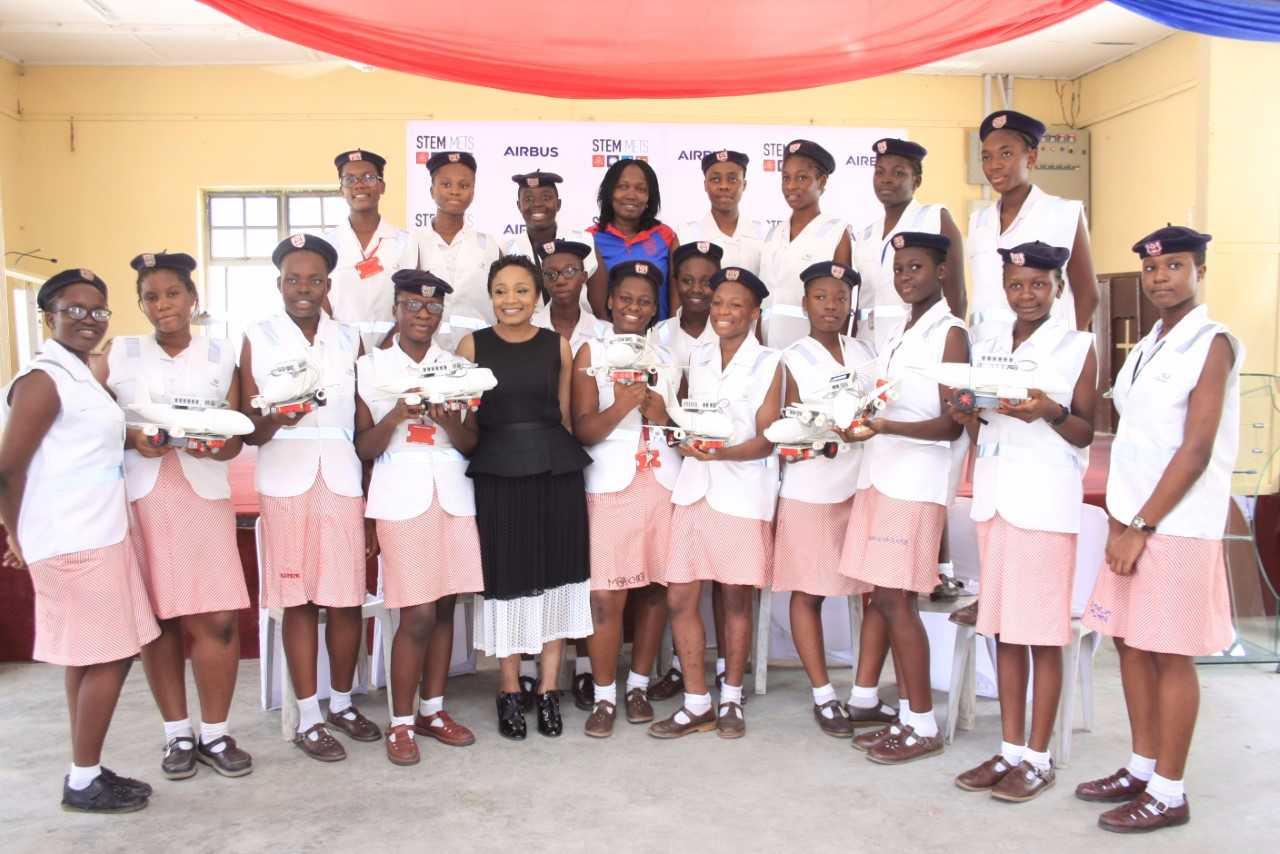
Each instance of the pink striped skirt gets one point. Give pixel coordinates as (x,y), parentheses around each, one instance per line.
(893,543)
(806,548)
(313,549)
(428,557)
(91,607)
(1175,601)
(187,547)
(630,534)
(1025,582)
(707,545)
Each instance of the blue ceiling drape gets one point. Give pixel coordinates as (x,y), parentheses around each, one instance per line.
(1257,20)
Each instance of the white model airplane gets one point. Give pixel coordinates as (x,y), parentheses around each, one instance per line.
(703,424)
(187,422)
(628,359)
(993,378)
(291,387)
(806,429)
(457,384)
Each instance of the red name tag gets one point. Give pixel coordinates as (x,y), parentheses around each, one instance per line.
(647,460)
(422,434)
(370,266)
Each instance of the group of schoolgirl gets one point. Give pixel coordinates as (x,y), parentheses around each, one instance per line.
(131,545)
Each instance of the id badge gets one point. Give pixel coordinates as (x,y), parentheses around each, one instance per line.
(369,267)
(422,434)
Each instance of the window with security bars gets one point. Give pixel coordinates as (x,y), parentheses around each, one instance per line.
(241,230)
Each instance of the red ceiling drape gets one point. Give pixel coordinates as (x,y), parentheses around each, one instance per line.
(627,49)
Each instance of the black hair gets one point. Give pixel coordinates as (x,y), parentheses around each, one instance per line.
(609,183)
(614,281)
(183,276)
(520,261)
(1198,255)
(916,164)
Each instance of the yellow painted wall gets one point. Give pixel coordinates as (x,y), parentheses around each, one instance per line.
(10,164)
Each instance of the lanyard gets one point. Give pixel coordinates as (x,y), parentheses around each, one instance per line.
(1138,364)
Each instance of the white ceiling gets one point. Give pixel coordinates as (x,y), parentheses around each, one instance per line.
(185,32)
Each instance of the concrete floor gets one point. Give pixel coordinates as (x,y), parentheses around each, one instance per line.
(785,787)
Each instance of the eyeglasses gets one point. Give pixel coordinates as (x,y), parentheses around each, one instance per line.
(553,276)
(79,312)
(413,306)
(369,178)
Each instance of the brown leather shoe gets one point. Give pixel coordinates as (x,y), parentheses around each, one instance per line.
(868,740)
(1144,814)
(878,715)
(667,686)
(1120,787)
(443,729)
(179,760)
(966,616)
(905,747)
(837,725)
(355,725)
(639,710)
(401,748)
(230,761)
(600,722)
(1023,783)
(672,728)
(720,680)
(984,777)
(323,748)
(730,722)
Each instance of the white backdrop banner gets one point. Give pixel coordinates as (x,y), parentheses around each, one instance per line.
(581,151)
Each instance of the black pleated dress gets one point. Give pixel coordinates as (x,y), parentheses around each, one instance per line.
(531,503)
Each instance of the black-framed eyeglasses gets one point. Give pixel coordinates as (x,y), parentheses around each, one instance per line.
(553,276)
(369,178)
(79,312)
(413,306)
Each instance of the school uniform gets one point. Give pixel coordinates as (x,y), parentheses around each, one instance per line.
(308,476)
(184,527)
(1176,601)
(588,327)
(879,306)
(669,335)
(781,262)
(90,601)
(816,496)
(1027,493)
(464,264)
(904,485)
(629,484)
(742,249)
(722,525)
(1043,217)
(361,293)
(419,494)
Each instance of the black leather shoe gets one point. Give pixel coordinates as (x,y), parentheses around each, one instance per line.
(549,722)
(127,783)
(668,686)
(511,717)
(528,686)
(584,692)
(101,796)
(179,760)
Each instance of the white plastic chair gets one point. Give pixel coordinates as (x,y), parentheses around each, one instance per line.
(372,609)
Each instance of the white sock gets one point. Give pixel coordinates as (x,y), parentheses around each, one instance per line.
(429,707)
(309,713)
(699,704)
(80,778)
(1012,753)
(1140,767)
(581,665)
(178,729)
(210,733)
(637,680)
(675,664)
(823,694)
(730,693)
(946,569)
(406,720)
(864,698)
(1039,760)
(719,666)
(1171,793)
(529,668)
(607,693)
(339,701)
(904,710)
(924,724)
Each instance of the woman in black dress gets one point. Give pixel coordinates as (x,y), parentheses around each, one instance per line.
(531,505)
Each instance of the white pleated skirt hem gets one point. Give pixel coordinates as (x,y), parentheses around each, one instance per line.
(506,627)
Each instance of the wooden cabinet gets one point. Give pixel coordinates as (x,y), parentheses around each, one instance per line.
(1123,316)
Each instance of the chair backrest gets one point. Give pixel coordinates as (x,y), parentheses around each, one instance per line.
(259,550)
(1091,548)
(962,539)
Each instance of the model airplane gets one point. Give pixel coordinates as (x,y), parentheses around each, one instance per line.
(187,422)
(703,424)
(628,360)
(807,429)
(292,387)
(993,378)
(456,384)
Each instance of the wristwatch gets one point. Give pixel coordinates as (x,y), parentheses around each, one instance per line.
(1061,417)
(1140,524)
